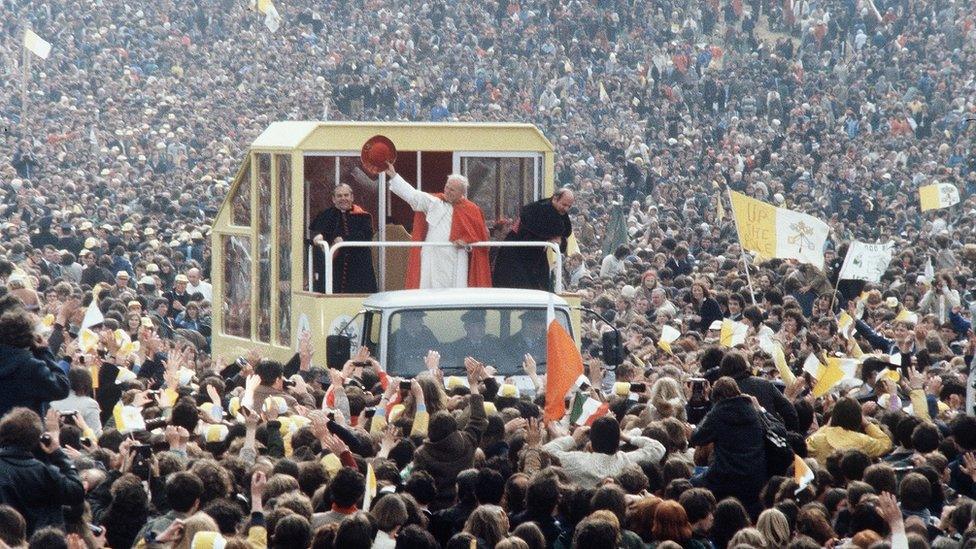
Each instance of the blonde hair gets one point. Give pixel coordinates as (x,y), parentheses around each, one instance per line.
(198,522)
(749,537)
(667,399)
(485,522)
(775,528)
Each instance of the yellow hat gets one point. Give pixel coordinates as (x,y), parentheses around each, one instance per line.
(149,231)
(91,242)
(455,382)
(128,227)
(234,406)
(508,390)
(182,278)
(275,401)
(331,463)
(893,375)
(208,540)
(214,432)
(490,409)
(621,388)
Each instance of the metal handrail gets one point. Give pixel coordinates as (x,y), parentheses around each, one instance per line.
(330,251)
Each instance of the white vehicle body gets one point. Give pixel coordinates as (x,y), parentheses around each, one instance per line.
(505,334)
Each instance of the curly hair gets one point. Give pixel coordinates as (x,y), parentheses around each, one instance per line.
(17,328)
(217,482)
(128,511)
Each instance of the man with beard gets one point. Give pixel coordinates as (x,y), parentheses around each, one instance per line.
(544,220)
(352,268)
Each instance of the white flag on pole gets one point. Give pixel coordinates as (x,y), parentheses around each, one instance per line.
(271,18)
(37,45)
(93,315)
(866,261)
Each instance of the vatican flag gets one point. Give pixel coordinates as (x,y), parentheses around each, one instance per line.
(669,334)
(777,232)
(732,333)
(938,195)
(829,375)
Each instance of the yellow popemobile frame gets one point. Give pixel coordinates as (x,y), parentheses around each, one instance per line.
(261,298)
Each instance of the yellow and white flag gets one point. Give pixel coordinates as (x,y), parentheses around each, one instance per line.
(938,195)
(36,45)
(669,334)
(732,333)
(836,370)
(779,359)
(128,418)
(845,324)
(801,474)
(775,349)
(370,486)
(777,232)
(87,340)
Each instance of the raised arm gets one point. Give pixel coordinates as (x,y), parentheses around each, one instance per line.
(419,201)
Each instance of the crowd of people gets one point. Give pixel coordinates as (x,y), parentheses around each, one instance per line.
(116,152)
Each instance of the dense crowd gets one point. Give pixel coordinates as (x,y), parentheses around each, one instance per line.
(133,434)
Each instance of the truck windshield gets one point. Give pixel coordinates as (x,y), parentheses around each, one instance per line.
(499,337)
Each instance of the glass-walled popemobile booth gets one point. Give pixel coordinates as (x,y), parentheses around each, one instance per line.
(263,273)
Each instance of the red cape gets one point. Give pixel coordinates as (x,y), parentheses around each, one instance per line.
(467,224)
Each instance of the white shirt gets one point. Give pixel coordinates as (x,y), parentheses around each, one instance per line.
(440,267)
(383,541)
(204,288)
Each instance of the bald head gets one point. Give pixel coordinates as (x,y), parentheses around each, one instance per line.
(563,200)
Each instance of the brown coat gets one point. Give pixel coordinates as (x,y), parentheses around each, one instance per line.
(447,457)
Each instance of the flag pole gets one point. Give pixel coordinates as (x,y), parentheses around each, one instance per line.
(833,296)
(745,258)
(24,77)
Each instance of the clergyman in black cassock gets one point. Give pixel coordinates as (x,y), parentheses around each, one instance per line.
(543,220)
(352,268)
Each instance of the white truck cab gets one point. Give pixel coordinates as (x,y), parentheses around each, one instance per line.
(497,326)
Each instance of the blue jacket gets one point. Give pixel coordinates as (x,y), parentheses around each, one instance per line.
(38,489)
(30,378)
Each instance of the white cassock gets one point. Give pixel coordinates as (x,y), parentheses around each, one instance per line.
(441,266)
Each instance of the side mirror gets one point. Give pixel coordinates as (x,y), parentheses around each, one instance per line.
(338,348)
(613,348)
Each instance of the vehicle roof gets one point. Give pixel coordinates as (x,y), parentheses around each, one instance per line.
(450,298)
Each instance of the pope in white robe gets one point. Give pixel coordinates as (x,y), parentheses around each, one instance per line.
(451,218)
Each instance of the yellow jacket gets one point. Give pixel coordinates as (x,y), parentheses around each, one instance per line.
(873,442)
